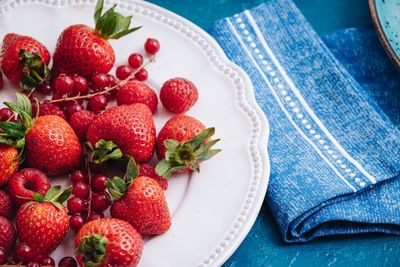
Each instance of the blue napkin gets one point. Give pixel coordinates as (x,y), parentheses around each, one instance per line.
(333,109)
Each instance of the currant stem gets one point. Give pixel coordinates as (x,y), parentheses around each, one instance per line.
(109,89)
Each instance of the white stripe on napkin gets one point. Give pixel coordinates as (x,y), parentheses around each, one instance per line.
(283,108)
(302,100)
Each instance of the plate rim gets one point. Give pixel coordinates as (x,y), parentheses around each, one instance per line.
(244,93)
(382,36)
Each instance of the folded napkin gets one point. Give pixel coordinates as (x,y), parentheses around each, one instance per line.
(333,109)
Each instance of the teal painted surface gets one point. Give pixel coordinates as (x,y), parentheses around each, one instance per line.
(264,246)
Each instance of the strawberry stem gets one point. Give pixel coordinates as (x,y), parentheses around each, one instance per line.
(109,89)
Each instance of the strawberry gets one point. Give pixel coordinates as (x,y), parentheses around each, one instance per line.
(150,171)
(51,145)
(178,95)
(182,144)
(84,51)
(11,53)
(7,234)
(130,127)
(108,242)
(25,184)
(42,224)
(135,91)
(9,163)
(139,201)
(6,206)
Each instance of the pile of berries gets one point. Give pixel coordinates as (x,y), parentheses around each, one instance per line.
(78,205)
(75,133)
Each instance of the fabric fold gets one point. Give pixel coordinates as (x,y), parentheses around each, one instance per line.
(334,145)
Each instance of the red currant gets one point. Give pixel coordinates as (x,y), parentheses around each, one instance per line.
(111,80)
(73,108)
(6,114)
(95,216)
(123,72)
(80,189)
(76,222)
(64,84)
(60,104)
(99,183)
(33,264)
(135,60)
(152,46)
(101,202)
(3,256)
(67,262)
(48,261)
(78,176)
(141,75)
(99,81)
(98,103)
(23,254)
(76,205)
(80,84)
(46,88)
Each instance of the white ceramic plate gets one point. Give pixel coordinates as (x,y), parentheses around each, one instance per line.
(214,210)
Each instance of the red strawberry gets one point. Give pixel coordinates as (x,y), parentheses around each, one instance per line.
(130,127)
(187,142)
(7,234)
(84,51)
(137,92)
(150,171)
(51,145)
(10,54)
(178,95)
(43,224)
(8,163)
(116,242)
(6,206)
(139,201)
(25,183)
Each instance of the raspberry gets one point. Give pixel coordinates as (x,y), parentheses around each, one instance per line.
(178,95)
(80,122)
(5,205)
(47,108)
(7,234)
(150,171)
(137,92)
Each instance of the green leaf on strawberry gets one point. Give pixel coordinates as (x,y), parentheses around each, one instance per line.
(117,187)
(93,249)
(188,154)
(54,196)
(111,25)
(35,71)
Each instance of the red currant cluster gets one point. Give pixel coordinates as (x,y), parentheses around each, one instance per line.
(85,206)
(23,255)
(136,60)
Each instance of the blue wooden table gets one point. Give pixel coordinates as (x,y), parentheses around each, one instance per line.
(264,246)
